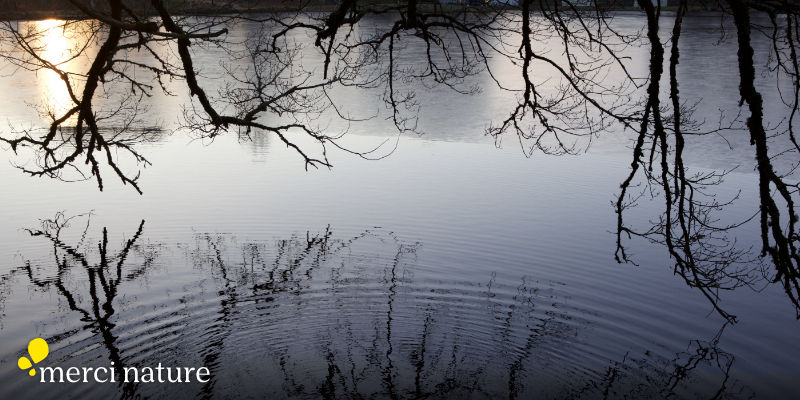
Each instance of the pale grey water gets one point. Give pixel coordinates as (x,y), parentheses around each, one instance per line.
(449,269)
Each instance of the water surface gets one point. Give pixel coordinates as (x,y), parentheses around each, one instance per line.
(451,268)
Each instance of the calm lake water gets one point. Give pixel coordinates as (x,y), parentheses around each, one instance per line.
(451,269)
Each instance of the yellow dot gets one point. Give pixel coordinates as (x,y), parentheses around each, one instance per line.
(32,372)
(24,363)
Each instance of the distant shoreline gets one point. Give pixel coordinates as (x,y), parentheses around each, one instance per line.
(74,14)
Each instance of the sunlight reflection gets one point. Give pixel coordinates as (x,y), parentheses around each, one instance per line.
(55,46)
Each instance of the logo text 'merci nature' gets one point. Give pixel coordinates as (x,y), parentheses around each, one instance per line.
(158,374)
(38,349)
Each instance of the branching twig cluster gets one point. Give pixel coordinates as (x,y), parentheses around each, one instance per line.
(572,81)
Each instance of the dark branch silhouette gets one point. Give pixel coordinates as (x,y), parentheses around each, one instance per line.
(572,81)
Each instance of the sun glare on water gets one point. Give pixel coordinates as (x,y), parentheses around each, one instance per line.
(54,47)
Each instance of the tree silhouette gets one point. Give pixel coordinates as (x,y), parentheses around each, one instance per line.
(571,61)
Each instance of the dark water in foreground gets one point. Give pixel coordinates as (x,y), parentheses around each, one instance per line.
(451,269)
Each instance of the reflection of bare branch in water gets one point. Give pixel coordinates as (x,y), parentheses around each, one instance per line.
(380,333)
(360,355)
(104,278)
(779,233)
(283,275)
(570,61)
(704,253)
(277,86)
(650,377)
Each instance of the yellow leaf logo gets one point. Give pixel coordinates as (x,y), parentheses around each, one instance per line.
(37,350)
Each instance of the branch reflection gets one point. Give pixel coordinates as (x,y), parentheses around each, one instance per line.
(321,315)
